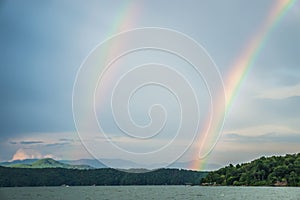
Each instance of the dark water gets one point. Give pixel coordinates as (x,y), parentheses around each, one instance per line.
(149,192)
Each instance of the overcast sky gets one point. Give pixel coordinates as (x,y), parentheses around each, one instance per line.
(43,44)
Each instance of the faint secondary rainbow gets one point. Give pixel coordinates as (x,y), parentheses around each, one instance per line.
(124,20)
(239,71)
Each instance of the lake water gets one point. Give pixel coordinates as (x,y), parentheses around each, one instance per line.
(149,192)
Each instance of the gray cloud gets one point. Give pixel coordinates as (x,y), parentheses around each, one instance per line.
(31,142)
(57,144)
(12,142)
(66,140)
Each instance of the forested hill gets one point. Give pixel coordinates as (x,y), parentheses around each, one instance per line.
(11,177)
(275,170)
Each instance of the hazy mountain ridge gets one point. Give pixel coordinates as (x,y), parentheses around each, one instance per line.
(25,161)
(44,163)
(116,163)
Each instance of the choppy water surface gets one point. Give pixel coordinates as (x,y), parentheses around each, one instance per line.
(149,192)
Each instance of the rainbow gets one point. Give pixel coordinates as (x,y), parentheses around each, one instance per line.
(124,21)
(239,71)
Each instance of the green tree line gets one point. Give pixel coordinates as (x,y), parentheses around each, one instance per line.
(10,177)
(275,170)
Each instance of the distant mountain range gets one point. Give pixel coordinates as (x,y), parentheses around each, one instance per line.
(94,163)
(43,163)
